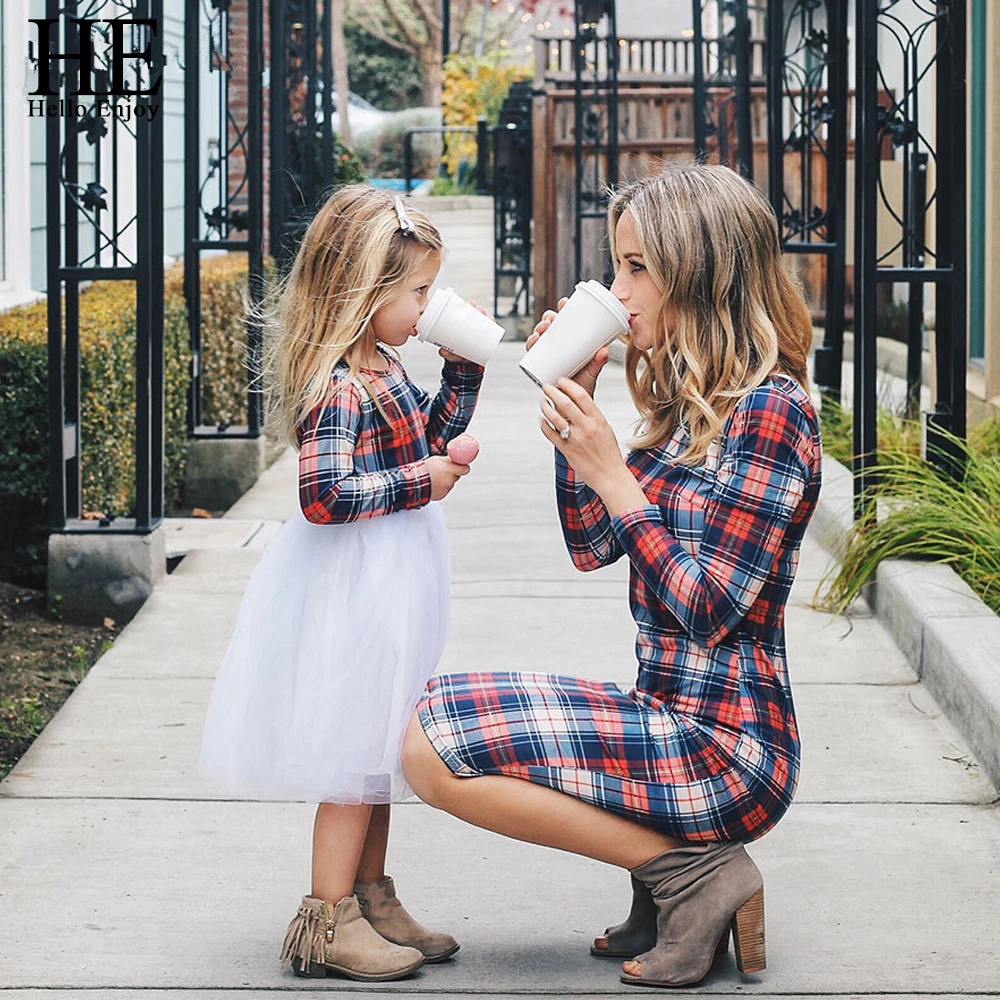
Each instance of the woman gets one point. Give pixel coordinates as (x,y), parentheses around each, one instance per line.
(710,507)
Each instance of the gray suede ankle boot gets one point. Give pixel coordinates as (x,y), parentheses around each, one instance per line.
(386,914)
(324,937)
(700,893)
(636,933)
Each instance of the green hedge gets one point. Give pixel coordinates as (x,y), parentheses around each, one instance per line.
(107,391)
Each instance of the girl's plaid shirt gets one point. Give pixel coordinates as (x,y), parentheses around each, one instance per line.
(355,464)
(712,559)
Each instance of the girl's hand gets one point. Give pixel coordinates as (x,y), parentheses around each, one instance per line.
(586,377)
(451,355)
(444,474)
(591,447)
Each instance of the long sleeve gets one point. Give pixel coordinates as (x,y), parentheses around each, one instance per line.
(330,490)
(449,412)
(762,477)
(586,525)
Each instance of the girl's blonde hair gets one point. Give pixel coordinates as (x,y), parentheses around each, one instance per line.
(354,259)
(729,314)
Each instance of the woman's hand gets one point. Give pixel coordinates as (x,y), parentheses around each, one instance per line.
(584,436)
(586,377)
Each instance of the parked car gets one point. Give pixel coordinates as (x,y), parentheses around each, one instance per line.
(362,115)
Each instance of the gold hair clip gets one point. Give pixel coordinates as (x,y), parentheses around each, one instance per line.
(406,226)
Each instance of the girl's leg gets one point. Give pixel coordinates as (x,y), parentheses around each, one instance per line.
(525,811)
(339,835)
(377,895)
(371,866)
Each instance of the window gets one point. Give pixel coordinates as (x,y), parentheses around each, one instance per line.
(15,193)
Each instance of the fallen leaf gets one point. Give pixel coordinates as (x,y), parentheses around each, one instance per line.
(109,623)
(200,512)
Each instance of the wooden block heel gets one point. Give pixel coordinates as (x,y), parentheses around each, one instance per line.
(748,935)
(316,970)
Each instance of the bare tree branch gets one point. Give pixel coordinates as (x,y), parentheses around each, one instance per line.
(429,13)
(404,29)
(377,28)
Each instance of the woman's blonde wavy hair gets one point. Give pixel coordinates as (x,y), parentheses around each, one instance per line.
(729,316)
(353,260)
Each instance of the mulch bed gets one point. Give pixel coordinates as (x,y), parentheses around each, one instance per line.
(41,660)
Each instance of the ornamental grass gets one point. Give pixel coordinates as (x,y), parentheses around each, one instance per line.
(923,514)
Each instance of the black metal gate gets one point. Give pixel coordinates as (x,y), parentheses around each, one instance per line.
(301,139)
(223,184)
(102,225)
(807,140)
(929,42)
(595,80)
(512,193)
(721,77)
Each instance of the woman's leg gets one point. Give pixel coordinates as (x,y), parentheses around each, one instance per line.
(339,835)
(526,811)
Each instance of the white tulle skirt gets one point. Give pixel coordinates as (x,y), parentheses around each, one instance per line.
(340,628)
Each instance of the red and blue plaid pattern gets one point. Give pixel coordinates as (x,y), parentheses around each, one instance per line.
(354,463)
(705,746)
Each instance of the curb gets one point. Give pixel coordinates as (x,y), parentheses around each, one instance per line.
(948,635)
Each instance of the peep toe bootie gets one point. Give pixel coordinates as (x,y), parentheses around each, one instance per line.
(383,910)
(636,933)
(701,892)
(324,938)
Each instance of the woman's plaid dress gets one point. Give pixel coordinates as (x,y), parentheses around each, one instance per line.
(705,746)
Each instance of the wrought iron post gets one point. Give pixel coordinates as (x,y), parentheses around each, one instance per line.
(88,239)
(224,189)
(512,199)
(807,124)
(930,42)
(721,83)
(595,80)
(301,121)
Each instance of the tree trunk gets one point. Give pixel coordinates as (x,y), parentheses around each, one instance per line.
(430,71)
(338,48)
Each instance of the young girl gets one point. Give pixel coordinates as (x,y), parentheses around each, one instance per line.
(343,620)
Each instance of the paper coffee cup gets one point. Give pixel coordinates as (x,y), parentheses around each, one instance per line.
(591,319)
(449,321)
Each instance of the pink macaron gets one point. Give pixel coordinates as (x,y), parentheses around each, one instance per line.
(463,449)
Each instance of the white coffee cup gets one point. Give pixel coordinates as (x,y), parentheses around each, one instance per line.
(449,321)
(590,320)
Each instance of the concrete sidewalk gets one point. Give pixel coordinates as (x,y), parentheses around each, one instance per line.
(123,873)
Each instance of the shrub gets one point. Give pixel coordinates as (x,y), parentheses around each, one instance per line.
(381,150)
(473,87)
(107,401)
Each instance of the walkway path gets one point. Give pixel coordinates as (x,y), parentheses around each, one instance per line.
(121,871)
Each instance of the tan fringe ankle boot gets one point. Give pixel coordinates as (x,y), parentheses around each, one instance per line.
(323,937)
(386,914)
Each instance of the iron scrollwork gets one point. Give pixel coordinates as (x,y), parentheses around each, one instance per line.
(224,207)
(721,107)
(104,212)
(807,150)
(924,43)
(595,74)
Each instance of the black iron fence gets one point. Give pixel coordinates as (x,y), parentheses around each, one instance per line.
(103,222)
(924,42)
(479,130)
(807,141)
(224,189)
